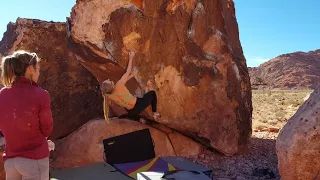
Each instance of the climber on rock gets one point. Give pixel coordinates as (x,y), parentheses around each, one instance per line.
(120,94)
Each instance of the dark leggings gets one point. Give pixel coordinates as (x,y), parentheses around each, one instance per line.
(150,98)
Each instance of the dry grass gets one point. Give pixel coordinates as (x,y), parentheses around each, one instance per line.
(274,108)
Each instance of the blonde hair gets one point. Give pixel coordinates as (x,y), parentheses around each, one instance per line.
(106,107)
(15,66)
(106,89)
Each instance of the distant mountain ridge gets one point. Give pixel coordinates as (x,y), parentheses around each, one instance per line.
(298,70)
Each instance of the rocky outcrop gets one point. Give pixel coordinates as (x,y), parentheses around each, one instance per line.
(298,144)
(75,150)
(189,51)
(74,91)
(297,70)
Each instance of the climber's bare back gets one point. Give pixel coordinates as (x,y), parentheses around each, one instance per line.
(121,94)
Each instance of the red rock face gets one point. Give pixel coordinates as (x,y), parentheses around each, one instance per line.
(290,71)
(188,51)
(298,144)
(74,91)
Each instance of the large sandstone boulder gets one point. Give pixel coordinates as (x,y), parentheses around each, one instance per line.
(85,146)
(74,91)
(298,144)
(189,51)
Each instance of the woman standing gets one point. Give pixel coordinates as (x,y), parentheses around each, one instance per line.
(26,119)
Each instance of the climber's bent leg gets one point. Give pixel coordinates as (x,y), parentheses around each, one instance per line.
(149,98)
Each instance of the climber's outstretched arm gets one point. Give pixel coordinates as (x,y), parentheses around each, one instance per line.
(133,74)
(126,76)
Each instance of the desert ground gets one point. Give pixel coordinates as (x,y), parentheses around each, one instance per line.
(273,109)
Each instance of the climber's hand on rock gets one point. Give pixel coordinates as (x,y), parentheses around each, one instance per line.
(134,72)
(131,54)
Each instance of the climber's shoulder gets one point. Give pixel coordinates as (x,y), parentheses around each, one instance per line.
(120,87)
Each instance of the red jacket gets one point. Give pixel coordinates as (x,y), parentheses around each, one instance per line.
(25,120)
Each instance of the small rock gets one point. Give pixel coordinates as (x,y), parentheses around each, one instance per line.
(263,172)
(274,129)
(240,178)
(265,161)
(215,173)
(247,170)
(208,157)
(205,161)
(202,156)
(250,164)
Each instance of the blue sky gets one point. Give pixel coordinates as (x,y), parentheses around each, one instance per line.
(55,10)
(267,28)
